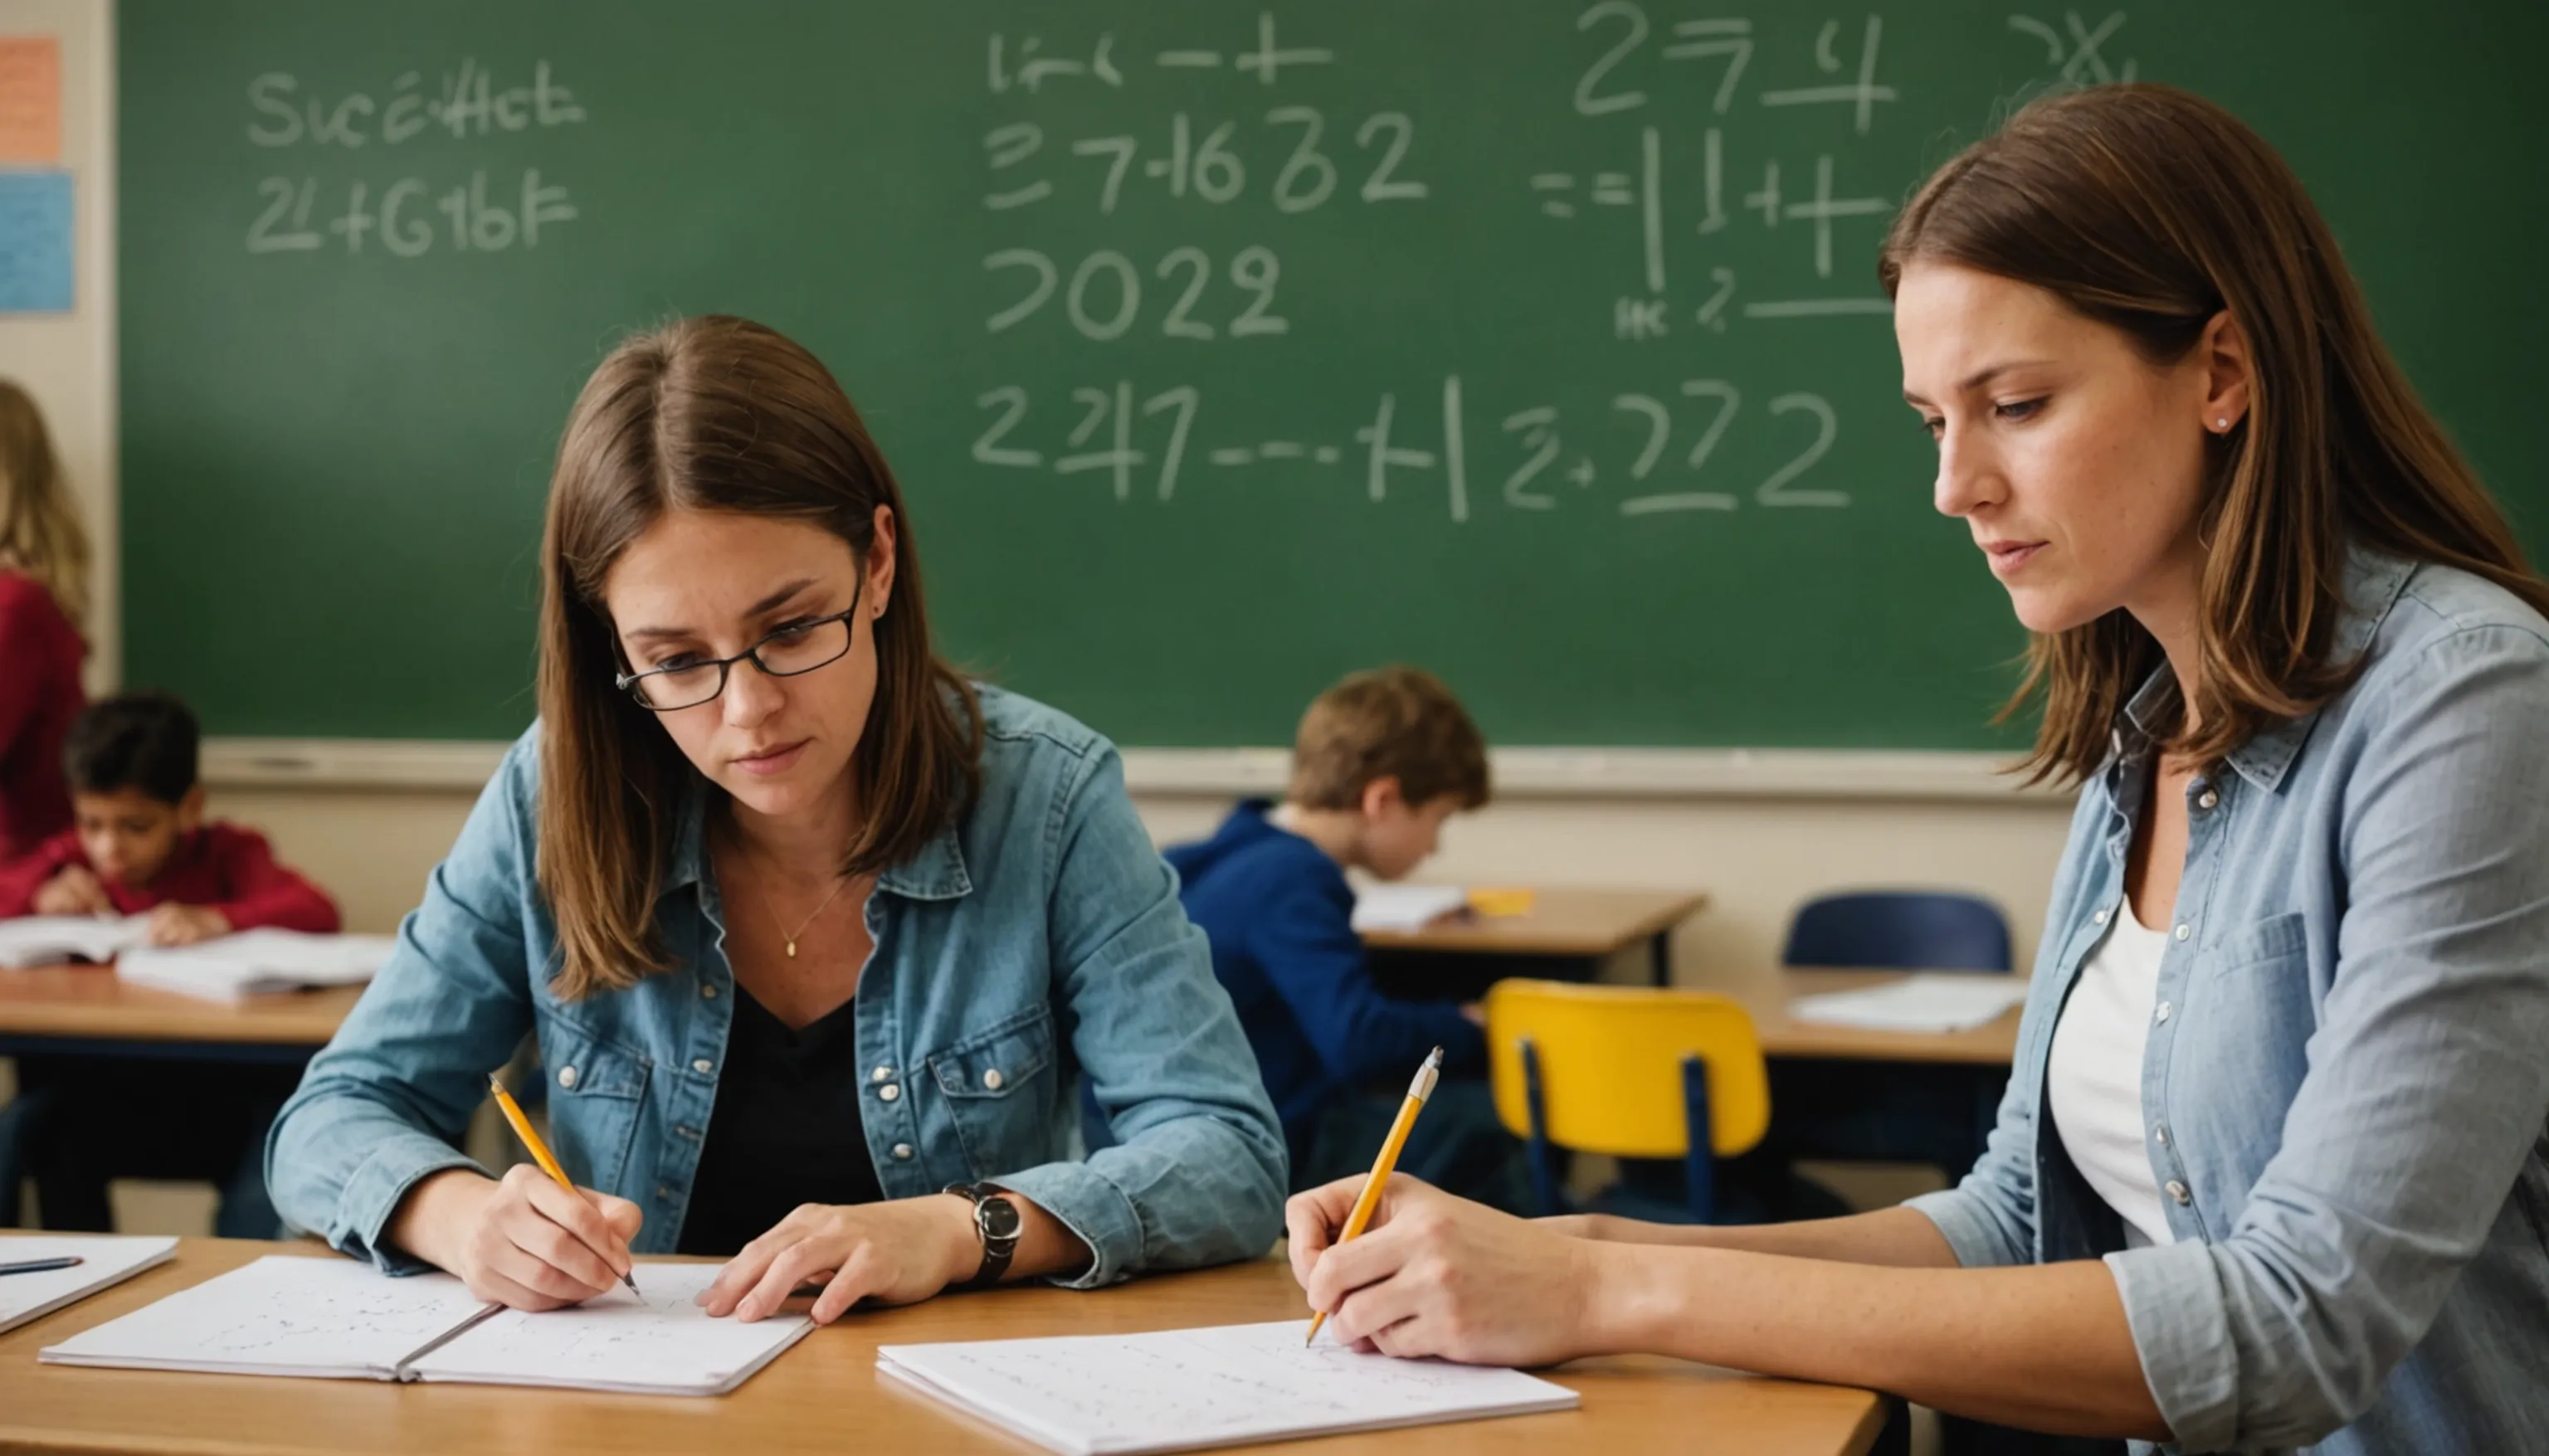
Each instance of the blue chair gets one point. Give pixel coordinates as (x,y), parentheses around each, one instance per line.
(1909,930)
(1852,1112)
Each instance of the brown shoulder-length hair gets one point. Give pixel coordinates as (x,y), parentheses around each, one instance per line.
(711,413)
(40,528)
(2152,210)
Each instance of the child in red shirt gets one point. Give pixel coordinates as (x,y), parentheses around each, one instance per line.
(138,841)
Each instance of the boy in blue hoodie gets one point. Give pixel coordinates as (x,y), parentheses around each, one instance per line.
(1381,760)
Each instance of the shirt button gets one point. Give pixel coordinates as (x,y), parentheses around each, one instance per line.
(992,1079)
(880,1074)
(566,1077)
(707,993)
(2160,1132)
(888,1092)
(2161,1014)
(663,1194)
(2179,1191)
(703,1066)
(2208,801)
(2184,931)
(903,1150)
(2098,919)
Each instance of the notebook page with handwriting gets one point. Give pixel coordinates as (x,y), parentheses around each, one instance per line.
(328,1317)
(659,1344)
(1182,1390)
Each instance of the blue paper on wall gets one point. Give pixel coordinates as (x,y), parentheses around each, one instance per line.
(34,242)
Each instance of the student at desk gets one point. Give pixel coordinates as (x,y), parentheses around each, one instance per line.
(2270,1172)
(1380,761)
(139,845)
(816,935)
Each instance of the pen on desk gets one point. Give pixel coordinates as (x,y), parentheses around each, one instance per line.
(1417,1092)
(539,1150)
(39,1266)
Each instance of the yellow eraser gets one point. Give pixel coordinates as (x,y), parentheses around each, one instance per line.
(1501,902)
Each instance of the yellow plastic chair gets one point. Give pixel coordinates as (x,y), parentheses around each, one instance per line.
(1628,1072)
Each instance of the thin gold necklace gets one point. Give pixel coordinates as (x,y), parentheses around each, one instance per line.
(838,887)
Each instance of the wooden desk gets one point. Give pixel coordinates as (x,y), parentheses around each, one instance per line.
(1577,924)
(1783,1035)
(825,1396)
(87,1009)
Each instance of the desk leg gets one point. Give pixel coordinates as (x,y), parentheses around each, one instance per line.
(1659,957)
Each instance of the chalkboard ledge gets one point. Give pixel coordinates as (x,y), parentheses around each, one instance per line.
(1520,773)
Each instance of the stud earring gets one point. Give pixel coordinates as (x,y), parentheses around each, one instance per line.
(2222,423)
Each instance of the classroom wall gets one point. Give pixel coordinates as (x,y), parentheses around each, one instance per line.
(67,361)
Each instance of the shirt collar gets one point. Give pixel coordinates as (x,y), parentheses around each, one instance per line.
(2371,584)
(936,871)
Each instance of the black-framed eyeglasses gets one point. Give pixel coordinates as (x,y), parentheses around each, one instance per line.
(789,650)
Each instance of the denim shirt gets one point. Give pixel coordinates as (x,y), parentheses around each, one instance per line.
(2346,1085)
(1036,940)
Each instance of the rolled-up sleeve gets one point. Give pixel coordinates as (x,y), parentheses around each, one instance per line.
(1198,1175)
(389,1099)
(2427,1082)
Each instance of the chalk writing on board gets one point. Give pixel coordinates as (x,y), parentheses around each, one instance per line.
(2078,49)
(488,213)
(1103,299)
(1210,160)
(1026,62)
(1660,446)
(468,104)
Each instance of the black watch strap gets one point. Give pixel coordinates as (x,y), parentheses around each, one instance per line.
(996,1224)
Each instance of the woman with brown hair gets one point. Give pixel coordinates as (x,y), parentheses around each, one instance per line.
(816,937)
(2270,1170)
(44,597)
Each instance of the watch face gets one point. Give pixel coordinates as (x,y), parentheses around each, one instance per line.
(997,1218)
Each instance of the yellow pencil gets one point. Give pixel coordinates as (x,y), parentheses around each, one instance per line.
(539,1150)
(1417,1092)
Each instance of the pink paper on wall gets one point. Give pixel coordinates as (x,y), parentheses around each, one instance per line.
(31,101)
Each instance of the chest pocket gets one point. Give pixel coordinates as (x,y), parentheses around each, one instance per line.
(998,1086)
(597,1092)
(2243,1049)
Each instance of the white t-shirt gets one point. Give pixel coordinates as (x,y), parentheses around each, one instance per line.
(2093,1082)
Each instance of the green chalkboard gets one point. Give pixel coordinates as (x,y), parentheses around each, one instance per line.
(1221,348)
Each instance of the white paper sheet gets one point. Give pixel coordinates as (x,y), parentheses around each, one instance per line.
(1925,1001)
(42,940)
(282,1315)
(105,1259)
(662,1345)
(1405,907)
(255,962)
(1183,1389)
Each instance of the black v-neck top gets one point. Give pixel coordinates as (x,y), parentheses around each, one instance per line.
(785,1130)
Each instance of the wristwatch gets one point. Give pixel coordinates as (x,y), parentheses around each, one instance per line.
(997,1222)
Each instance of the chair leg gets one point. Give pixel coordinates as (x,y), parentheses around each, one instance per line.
(1699,1164)
(1544,1173)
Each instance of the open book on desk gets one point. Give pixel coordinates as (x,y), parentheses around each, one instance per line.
(337,1318)
(1407,908)
(255,962)
(44,939)
(1182,1390)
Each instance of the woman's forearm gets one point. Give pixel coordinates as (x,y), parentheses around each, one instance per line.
(2044,1347)
(1897,1237)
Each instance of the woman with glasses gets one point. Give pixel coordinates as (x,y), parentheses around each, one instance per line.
(816,937)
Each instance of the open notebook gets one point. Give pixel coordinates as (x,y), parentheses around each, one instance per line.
(255,962)
(1182,1390)
(104,1259)
(1925,1001)
(1406,907)
(342,1319)
(42,940)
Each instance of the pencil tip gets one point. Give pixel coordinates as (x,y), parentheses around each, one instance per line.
(1437,1058)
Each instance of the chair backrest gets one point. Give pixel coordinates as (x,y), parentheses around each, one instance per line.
(1611,1066)
(1906,930)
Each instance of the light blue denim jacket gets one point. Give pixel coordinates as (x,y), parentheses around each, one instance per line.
(2346,1086)
(1036,940)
